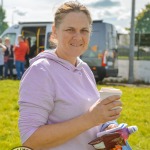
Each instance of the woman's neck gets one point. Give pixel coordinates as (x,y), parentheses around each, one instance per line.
(73,61)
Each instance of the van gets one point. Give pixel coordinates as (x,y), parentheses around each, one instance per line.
(101,55)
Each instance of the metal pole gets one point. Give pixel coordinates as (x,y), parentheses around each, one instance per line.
(12,21)
(139,43)
(132,43)
(2,3)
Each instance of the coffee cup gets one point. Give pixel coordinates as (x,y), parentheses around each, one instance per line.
(107,92)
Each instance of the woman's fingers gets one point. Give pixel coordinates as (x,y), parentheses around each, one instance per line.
(114,104)
(115,112)
(113,117)
(110,99)
(106,110)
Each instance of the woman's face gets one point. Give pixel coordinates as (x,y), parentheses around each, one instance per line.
(7,42)
(73,35)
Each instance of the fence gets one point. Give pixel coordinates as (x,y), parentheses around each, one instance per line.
(141,50)
(141,54)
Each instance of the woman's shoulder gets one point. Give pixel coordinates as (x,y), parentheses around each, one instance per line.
(42,63)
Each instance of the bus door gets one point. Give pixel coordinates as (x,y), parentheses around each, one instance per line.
(36,37)
(40,36)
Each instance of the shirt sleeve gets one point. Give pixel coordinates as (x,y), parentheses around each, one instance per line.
(36,99)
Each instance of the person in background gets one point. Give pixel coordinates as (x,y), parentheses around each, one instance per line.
(20,52)
(8,59)
(60,106)
(2,50)
(33,49)
(28,42)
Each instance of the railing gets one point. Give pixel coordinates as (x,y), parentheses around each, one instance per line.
(123,53)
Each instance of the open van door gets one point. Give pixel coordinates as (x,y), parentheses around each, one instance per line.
(36,37)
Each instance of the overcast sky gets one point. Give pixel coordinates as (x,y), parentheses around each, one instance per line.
(117,12)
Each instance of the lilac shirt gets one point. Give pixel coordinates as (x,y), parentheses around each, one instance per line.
(52,90)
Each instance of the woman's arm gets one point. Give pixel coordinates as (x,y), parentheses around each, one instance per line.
(56,134)
(3,47)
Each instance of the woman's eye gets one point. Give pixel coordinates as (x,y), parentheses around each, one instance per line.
(69,30)
(85,31)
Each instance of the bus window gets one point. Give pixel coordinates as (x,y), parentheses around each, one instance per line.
(11,36)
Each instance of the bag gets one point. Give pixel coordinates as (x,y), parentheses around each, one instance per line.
(108,142)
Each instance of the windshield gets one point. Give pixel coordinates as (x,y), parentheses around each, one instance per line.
(11,36)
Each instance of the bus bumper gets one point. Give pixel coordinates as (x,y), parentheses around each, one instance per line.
(101,72)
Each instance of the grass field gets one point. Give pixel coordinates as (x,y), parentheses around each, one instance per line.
(136,111)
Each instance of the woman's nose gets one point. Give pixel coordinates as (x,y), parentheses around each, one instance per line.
(77,35)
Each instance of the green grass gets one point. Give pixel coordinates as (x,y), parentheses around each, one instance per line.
(9,135)
(136,111)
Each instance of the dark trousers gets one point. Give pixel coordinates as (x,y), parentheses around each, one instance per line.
(1,71)
(8,66)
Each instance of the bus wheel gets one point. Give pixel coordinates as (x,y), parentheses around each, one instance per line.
(101,73)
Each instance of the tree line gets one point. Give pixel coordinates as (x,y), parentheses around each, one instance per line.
(3,24)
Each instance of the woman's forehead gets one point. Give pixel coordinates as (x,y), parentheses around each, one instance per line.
(75,18)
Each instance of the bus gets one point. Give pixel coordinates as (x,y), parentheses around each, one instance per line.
(101,55)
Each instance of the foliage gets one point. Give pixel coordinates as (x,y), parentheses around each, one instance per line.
(142,27)
(143,20)
(3,24)
(135,112)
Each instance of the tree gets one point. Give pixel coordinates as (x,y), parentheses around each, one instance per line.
(3,24)
(142,24)
(142,27)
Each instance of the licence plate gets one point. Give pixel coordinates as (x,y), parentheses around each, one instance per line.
(109,63)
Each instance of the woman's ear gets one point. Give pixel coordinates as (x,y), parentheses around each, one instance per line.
(54,31)
(53,36)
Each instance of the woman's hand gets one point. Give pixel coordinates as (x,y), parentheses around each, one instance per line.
(111,126)
(102,111)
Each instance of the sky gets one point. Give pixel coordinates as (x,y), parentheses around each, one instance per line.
(117,12)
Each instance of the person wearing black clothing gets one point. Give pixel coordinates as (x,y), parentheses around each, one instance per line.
(32,52)
(8,59)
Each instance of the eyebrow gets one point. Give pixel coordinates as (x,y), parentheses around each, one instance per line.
(81,28)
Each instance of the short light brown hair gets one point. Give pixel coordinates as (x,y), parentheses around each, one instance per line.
(71,6)
(7,39)
(21,37)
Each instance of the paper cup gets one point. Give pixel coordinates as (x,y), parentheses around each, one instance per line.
(107,92)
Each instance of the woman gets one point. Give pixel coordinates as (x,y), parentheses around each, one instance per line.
(9,59)
(20,52)
(60,106)
(2,50)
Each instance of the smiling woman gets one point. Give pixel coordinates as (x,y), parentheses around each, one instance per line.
(73,38)
(72,33)
(60,105)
